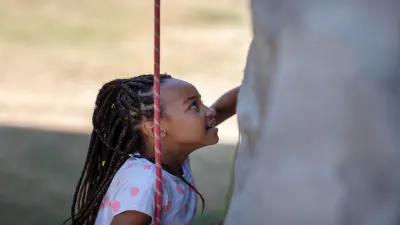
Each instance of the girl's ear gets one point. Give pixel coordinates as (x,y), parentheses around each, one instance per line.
(148,128)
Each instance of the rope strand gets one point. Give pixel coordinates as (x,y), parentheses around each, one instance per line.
(156,86)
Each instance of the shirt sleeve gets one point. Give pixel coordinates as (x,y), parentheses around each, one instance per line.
(135,192)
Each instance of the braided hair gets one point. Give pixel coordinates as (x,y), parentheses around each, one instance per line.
(120,106)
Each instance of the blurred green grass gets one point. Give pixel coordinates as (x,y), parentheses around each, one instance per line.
(38,171)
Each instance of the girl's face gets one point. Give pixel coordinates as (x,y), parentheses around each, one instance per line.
(186,121)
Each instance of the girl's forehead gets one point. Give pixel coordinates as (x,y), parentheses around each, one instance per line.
(177,90)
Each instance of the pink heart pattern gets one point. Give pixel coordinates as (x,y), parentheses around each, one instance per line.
(179,189)
(147,167)
(105,204)
(134,191)
(167,207)
(115,205)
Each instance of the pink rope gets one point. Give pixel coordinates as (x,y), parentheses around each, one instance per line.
(157,139)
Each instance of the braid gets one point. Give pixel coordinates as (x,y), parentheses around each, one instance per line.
(119,107)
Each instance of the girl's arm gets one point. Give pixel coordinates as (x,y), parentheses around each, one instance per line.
(225,106)
(131,218)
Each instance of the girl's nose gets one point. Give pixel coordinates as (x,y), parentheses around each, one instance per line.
(210,117)
(210,112)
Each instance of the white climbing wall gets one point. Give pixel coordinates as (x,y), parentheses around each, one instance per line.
(319,114)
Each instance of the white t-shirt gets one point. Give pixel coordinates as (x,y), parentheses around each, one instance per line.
(133,188)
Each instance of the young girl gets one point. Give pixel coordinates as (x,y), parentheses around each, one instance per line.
(117,184)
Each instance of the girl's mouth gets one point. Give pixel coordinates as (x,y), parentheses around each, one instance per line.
(211,123)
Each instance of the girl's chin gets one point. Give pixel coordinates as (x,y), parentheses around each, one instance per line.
(213,137)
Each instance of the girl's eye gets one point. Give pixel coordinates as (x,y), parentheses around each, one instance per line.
(193,105)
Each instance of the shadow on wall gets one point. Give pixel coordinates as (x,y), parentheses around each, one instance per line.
(39,169)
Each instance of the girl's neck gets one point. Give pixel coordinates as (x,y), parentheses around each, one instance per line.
(172,161)
(177,171)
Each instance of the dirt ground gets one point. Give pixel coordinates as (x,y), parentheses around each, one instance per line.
(55,55)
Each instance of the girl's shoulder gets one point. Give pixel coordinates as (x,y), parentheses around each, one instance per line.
(137,171)
(137,164)
(132,188)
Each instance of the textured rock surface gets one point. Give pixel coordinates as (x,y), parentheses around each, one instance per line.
(319,113)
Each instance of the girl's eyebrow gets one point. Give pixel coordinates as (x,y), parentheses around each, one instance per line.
(194,97)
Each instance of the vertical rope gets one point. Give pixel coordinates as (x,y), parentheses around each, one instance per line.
(157,140)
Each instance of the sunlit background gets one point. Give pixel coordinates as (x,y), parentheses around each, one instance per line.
(54,57)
